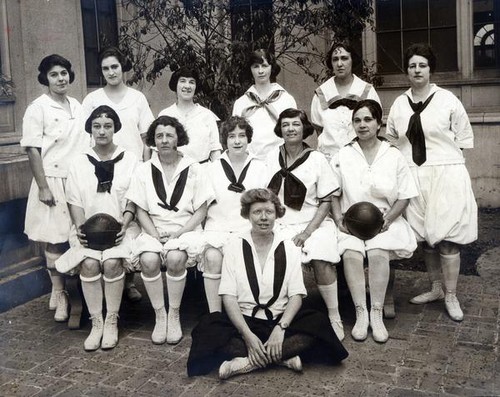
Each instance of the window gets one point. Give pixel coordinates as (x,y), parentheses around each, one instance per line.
(400,23)
(100,30)
(486,20)
(252,22)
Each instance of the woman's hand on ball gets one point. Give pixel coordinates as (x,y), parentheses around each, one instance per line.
(120,235)
(81,236)
(342,227)
(386,225)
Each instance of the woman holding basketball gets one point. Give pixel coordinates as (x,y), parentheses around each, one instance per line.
(52,136)
(304,181)
(97,183)
(369,169)
(171,193)
(135,115)
(199,122)
(431,127)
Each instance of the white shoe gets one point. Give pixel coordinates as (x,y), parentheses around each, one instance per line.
(236,366)
(93,341)
(436,293)
(338,327)
(110,334)
(360,330)
(61,314)
(159,335)
(53,300)
(379,332)
(174,330)
(453,307)
(294,363)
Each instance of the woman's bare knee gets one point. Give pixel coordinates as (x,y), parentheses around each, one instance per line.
(176,262)
(90,267)
(150,264)
(112,268)
(213,261)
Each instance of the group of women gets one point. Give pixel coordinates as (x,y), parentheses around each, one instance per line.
(248,218)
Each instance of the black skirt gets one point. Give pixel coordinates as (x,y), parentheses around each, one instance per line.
(215,330)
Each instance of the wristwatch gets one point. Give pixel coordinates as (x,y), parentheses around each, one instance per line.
(283,325)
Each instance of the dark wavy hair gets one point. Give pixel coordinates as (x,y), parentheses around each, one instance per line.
(103,110)
(120,57)
(48,63)
(184,72)
(373,106)
(356,58)
(261,195)
(232,123)
(259,56)
(308,128)
(422,49)
(182,136)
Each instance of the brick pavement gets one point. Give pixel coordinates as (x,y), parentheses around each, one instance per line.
(427,353)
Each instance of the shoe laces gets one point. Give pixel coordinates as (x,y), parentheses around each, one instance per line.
(377,313)
(97,321)
(111,319)
(160,313)
(360,310)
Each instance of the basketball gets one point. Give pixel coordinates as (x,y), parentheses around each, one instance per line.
(100,231)
(363,220)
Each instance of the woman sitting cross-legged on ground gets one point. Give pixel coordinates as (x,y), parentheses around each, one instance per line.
(171,194)
(97,183)
(304,181)
(262,290)
(369,169)
(233,173)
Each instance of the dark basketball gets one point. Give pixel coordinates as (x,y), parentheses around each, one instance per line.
(364,220)
(100,231)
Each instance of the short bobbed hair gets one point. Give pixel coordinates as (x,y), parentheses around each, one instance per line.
(182,136)
(373,106)
(232,123)
(423,50)
(120,57)
(48,63)
(261,195)
(308,128)
(356,58)
(187,73)
(103,110)
(260,56)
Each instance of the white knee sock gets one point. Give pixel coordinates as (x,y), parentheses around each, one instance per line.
(175,289)
(92,292)
(212,282)
(355,276)
(154,288)
(451,268)
(55,277)
(330,296)
(378,276)
(113,291)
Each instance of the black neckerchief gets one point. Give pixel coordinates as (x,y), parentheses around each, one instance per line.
(104,171)
(235,185)
(349,103)
(279,276)
(294,191)
(415,133)
(161,192)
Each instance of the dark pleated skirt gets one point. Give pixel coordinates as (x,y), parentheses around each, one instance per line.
(215,330)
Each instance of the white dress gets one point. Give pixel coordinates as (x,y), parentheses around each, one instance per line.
(224,211)
(446,208)
(320,181)
(60,136)
(143,193)
(336,123)
(234,279)
(81,191)
(201,127)
(135,116)
(264,139)
(381,183)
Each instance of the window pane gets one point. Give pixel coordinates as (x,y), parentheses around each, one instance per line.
(444,43)
(388,15)
(415,14)
(415,36)
(389,53)
(486,29)
(442,13)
